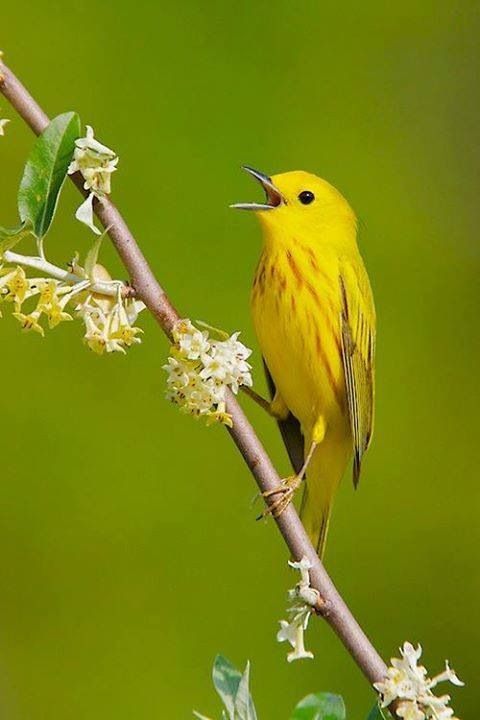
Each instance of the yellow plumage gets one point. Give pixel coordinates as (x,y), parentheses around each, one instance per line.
(314,317)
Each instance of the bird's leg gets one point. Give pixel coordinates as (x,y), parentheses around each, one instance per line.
(276,408)
(287,489)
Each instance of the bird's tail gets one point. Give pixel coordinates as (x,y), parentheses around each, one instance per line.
(323,476)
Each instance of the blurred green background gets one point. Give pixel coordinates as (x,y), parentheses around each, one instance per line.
(129,554)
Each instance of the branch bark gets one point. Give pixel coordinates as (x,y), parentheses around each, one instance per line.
(148,289)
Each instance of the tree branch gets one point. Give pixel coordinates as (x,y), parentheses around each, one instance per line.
(333,608)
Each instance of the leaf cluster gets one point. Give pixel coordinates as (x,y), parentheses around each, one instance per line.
(233,687)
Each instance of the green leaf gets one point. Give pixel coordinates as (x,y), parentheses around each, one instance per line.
(9,238)
(321,706)
(377,713)
(244,707)
(216,333)
(226,679)
(46,170)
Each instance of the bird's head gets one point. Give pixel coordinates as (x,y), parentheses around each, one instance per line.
(296,201)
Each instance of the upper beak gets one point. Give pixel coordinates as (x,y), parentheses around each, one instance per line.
(273,197)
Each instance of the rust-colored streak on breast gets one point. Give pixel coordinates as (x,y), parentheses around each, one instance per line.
(313,292)
(313,260)
(324,305)
(295,269)
(258,272)
(261,278)
(320,274)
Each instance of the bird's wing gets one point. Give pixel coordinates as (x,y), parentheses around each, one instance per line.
(358,355)
(290,431)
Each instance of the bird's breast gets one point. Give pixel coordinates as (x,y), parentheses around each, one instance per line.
(296,312)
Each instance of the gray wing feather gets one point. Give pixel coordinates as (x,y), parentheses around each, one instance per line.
(290,431)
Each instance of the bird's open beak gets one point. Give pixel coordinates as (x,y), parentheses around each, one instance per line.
(273,197)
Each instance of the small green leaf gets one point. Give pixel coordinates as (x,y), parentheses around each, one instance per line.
(226,679)
(321,706)
(9,238)
(216,333)
(244,707)
(46,170)
(377,713)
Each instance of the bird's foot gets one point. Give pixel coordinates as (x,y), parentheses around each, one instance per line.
(285,491)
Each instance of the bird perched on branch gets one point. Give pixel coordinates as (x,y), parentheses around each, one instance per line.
(314,318)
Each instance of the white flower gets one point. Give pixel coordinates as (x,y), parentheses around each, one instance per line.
(408,682)
(302,597)
(90,146)
(214,368)
(3,123)
(192,342)
(17,288)
(410,711)
(226,363)
(84,214)
(447,675)
(186,388)
(133,308)
(303,565)
(294,633)
(200,369)
(96,163)
(109,322)
(178,373)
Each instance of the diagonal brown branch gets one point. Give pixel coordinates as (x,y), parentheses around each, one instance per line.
(333,608)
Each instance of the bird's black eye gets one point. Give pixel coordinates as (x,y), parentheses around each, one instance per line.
(306,197)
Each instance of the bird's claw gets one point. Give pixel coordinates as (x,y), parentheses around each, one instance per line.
(286,491)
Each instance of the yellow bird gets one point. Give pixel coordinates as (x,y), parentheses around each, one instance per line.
(314,318)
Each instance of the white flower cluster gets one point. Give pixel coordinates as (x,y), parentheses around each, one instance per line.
(302,597)
(51,296)
(109,324)
(96,163)
(200,369)
(109,320)
(408,684)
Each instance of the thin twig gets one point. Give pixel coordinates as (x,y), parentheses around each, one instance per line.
(41,265)
(334,609)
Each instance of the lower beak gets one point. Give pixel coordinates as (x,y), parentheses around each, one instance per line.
(273,196)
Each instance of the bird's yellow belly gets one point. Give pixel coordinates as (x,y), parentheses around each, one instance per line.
(299,339)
